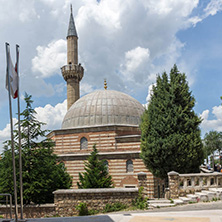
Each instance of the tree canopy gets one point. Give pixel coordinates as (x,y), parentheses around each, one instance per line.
(96,174)
(170,134)
(42,172)
(212,143)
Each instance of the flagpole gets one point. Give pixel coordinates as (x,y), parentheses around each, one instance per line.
(19,136)
(12,136)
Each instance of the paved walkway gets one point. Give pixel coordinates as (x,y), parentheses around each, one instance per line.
(175,216)
(201,212)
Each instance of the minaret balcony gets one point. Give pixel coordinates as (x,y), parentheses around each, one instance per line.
(72,71)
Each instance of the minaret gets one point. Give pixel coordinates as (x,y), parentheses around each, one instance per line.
(72,72)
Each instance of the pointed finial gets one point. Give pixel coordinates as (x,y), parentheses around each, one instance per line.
(72,28)
(105,84)
(71,8)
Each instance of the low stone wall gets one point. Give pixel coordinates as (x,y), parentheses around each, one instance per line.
(183,184)
(96,199)
(30,211)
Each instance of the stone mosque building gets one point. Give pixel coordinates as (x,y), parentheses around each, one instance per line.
(107,118)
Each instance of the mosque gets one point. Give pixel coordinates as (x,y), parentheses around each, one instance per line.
(110,119)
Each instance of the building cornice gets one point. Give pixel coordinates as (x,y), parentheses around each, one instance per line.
(91,129)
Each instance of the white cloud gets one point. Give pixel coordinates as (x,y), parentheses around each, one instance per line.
(135,57)
(213,7)
(150,92)
(130,40)
(166,7)
(136,60)
(52,115)
(212,124)
(127,42)
(49,59)
(5,134)
(105,13)
(194,20)
(22,11)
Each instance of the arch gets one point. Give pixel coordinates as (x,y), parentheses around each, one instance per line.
(83,143)
(129,166)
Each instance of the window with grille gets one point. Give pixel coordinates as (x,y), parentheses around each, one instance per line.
(83,143)
(129,166)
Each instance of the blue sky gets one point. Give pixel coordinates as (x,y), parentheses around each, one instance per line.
(127,42)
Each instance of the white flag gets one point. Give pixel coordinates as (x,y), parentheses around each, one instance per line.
(13,76)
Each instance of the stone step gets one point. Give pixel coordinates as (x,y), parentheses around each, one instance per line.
(185,199)
(156,201)
(157,205)
(178,201)
(192,197)
(211,194)
(202,196)
(217,190)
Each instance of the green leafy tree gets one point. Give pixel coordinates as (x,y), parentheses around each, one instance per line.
(212,143)
(96,173)
(42,172)
(170,138)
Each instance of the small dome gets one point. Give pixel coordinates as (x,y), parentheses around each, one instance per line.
(101,108)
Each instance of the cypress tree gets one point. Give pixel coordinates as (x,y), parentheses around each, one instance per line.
(96,174)
(170,138)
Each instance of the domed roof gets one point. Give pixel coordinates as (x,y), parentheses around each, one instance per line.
(101,108)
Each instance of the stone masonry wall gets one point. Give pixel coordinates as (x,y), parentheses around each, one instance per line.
(30,211)
(173,178)
(67,200)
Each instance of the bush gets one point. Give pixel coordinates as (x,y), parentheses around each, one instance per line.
(82,209)
(140,202)
(114,207)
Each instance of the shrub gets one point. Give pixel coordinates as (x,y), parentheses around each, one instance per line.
(82,209)
(114,207)
(140,202)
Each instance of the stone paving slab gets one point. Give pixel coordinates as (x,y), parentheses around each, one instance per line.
(159,201)
(169,218)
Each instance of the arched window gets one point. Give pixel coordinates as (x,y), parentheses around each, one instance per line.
(107,165)
(129,166)
(83,143)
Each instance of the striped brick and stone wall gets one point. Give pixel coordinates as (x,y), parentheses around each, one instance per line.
(116,144)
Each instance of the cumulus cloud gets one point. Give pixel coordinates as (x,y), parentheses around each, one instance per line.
(212,124)
(134,59)
(150,92)
(5,134)
(126,42)
(165,7)
(50,58)
(132,40)
(52,115)
(23,11)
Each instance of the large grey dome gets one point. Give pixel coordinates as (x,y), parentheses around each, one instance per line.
(103,107)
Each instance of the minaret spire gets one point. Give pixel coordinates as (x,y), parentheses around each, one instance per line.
(72,27)
(73,71)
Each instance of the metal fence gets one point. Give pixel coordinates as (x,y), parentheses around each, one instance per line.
(6,205)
